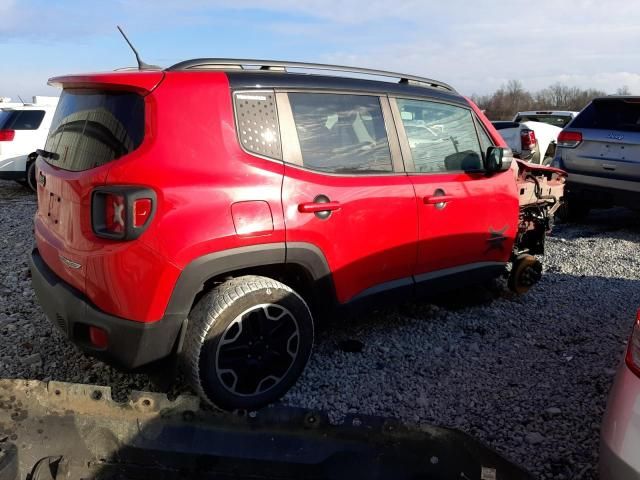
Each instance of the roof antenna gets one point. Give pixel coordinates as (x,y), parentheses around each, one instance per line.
(141,64)
(21,100)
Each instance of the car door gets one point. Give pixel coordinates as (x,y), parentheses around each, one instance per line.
(345,191)
(467,220)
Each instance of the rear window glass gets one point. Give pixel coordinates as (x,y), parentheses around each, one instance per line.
(21,119)
(258,123)
(555,120)
(610,115)
(91,128)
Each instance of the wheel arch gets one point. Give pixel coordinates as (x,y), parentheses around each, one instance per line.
(301,266)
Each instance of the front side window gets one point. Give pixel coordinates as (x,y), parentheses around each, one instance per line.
(485,140)
(341,133)
(21,119)
(442,138)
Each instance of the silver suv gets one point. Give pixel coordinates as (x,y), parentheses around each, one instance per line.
(600,149)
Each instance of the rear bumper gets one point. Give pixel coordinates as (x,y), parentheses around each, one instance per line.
(602,190)
(620,434)
(131,344)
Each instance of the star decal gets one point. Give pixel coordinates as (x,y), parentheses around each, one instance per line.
(496,238)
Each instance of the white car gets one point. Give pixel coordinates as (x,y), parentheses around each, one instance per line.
(23,130)
(533,142)
(557,118)
(620,432)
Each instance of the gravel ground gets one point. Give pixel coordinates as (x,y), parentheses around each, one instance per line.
(528,375)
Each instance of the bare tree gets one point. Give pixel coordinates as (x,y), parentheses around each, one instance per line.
(512,97)
(624,90)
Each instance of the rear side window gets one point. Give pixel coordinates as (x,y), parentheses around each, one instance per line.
(21,119)
(91,128)
(610,114)
(442,137)
(341,133)
(257,120)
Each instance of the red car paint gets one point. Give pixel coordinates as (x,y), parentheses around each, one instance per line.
(213,196)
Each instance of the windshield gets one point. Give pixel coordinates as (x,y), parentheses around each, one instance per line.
(91,128)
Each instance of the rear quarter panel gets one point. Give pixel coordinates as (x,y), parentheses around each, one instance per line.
(194,163)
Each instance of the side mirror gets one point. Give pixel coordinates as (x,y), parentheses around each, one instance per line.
(497,159)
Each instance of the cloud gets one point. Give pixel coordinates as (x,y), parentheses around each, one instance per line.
(476,46)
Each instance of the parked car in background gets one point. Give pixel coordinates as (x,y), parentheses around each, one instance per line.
(531,141)
(6,102)
(222,240)
(620,433)
(557,118)
(24,129)
(600,149)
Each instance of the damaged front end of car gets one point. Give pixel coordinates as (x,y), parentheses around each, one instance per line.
(52,431)
(540,192)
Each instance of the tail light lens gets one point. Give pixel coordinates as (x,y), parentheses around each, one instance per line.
(141,211)
(7,135)
(115,214)
(121,213)
(527,139)
(569,139)
(633,349)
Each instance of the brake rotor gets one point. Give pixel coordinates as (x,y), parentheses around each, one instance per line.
(527,271)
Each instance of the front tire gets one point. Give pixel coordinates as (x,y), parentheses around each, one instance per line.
(247,342)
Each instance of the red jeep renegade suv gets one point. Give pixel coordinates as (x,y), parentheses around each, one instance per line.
(212,210)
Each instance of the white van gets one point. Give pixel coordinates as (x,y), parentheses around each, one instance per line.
(24,129)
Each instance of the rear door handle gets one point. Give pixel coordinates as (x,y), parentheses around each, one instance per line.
(435,199)
(315,207)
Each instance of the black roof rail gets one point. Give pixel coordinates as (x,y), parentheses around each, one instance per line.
(278,66)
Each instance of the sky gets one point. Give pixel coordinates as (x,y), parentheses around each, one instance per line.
(474,46)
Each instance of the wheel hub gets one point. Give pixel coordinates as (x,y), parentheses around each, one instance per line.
(257,349)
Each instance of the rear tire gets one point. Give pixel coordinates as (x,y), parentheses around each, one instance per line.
(247,342)
(31,176)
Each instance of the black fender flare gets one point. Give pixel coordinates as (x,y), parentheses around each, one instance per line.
(194,276)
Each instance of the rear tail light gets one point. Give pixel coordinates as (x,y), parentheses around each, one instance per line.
(528,139)
(121,213)
(569,139)
(141,211)
(115,214)
(7,135)
(633,349)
